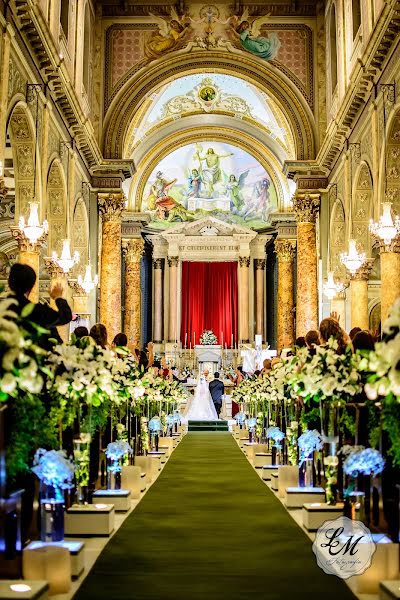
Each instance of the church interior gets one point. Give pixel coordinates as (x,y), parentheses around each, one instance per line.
(199,299)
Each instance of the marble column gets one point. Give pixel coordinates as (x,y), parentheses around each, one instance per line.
(244,264)
(306,208)
(29,254)
(260,273)
(338,306)
(110,208)
(390,276)
(285,250)
(158,300)
(133,250)
(359,296)
(173,263)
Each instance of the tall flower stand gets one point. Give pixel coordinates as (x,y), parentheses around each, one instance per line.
(329,412)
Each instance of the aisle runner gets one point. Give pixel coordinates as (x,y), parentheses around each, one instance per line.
(209,529)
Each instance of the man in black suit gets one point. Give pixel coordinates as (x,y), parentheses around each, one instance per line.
(21,280)
(217,390)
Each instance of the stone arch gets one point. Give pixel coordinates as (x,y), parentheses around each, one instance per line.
(260,73)
(56,206)
(362,207)
(337,238)
(247,143)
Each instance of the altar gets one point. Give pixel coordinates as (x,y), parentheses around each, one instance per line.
(209,357)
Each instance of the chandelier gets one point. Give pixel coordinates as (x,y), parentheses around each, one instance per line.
(66,261)
(331,287)
(385,229)
(87,283)
(352,259)
(33,231)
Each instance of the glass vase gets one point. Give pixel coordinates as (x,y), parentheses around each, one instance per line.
(306,473)
(52,505)
(113,474)
(82,494)
(354,506)
(329,413)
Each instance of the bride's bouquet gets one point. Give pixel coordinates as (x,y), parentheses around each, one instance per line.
(208,338)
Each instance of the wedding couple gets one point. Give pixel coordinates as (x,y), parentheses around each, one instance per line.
(207,400)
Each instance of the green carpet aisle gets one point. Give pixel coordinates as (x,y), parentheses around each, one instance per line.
(209,529)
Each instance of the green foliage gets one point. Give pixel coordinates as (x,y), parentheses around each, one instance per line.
(347,424)
(374,424)
(391,424)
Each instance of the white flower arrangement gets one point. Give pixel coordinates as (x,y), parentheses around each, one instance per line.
(383,363)
(364,462)
(309,442)
(21,359)
(53,468)
(275,434)
(117,450)
(155,425)
(208,338)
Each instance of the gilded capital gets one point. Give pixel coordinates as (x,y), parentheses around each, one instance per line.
(157,263)
(306,207)
(364,271)
(259,264)
(244,261)
(24,245)
(53,269)
(133,250)
(394,245)
(111,206)
(173,261)
(285,250)
(77,289)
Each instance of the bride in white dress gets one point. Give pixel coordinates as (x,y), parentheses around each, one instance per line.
(202,406)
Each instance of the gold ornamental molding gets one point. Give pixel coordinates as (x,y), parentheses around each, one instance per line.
(202,134)
(285,250)
(260,73)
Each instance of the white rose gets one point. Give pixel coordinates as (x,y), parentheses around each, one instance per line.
(8,383)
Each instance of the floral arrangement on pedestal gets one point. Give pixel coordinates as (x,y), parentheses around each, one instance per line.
(309,442)
(291,442)
(365,461)
(208,338)
(275,434)
(115,453)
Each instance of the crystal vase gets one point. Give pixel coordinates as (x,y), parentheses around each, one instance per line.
(354,506)
(52,513)
(82,462)
(306,473)
(114,474)
(329,413)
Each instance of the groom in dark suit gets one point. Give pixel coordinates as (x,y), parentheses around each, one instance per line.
(217,390)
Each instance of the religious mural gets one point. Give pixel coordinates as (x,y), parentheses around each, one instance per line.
(209,177)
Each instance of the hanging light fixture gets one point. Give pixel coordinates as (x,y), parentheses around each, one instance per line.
(353,259)
(385,229)
(87,283)
(331,287)
(33,230)
(66,261)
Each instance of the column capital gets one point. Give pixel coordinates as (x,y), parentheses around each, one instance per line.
(158,263)
(53,269)
(285,250)
(24,245)
(394,246)
(259,264)
(111,206)
(132,250)
(244,261)
(306,207)
(77,289)
(173,261)
(364,271)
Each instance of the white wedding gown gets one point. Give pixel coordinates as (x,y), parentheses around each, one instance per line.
(201,407)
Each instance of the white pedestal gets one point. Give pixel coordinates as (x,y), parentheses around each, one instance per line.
(144,462)
(261,459)
(38,591)
(76,553)
(389,590)
(132,480)
(288,476)
(297,496)
(267,471)
(90,520)
(275,480)
(120,498)
(384,567)
(316,513)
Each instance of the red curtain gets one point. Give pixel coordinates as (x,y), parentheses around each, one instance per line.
(209,301)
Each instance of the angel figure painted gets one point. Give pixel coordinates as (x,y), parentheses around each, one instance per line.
(168,35)
(251,39)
